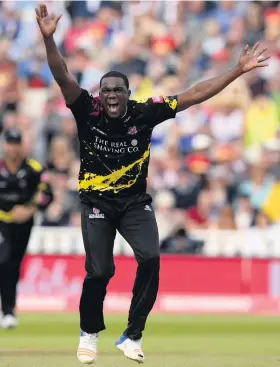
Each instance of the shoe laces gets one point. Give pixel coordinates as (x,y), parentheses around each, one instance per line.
(91,339)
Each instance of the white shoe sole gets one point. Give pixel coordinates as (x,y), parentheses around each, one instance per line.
(86,356)
(136,359)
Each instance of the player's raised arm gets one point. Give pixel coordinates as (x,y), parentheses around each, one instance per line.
(67,83)
(249,60)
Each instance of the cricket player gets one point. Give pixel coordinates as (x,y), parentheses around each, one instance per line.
(115,137)
(24,189)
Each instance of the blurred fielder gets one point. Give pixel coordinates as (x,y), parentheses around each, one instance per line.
(24,189)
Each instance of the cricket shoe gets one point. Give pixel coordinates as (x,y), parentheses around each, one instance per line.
(132,349)
(87,350)
(9,322)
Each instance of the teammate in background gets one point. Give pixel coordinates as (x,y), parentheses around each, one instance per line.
(24,189)
(115,134)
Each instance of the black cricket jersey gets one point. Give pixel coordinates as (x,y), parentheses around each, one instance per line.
(19,188)
(115,152)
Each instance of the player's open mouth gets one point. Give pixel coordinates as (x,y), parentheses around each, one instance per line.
(113,107)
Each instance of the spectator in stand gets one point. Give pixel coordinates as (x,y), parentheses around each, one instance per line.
(261,221)
(55,215)
(262,109)
(182,189)
(35,72)
(181,243)
(225,219)
(58,213)
(254,22)
(244,214)
(60,155)
(258,186)
(202,215)
(9,93)
(69,132)
(165,209)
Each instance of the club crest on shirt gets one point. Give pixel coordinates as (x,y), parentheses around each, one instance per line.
(134,142)
(132,130)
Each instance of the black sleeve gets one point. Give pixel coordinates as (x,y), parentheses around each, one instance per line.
(84,105)
(158,109)
(35,170)
(45,191)
(40,190)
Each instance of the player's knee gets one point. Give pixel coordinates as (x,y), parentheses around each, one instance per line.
(100,272)
(151,254)
(93,280)
(150,264)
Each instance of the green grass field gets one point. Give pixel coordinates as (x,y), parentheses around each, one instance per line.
(171,341)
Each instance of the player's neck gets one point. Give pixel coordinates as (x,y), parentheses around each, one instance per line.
(13,164)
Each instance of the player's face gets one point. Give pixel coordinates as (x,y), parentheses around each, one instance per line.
(114,96)
(12,150)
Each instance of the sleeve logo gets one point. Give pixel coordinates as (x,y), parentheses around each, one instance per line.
(158,99)
(172,102)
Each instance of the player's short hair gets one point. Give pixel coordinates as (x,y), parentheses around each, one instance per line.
(116,74)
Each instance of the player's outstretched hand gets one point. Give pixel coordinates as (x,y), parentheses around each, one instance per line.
(252,58)
(46,23)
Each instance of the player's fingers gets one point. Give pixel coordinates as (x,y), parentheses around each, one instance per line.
(255,47)
(261,52)
(37,12)
(42,11)
(262,59)
(45,10)
(57,18)
(262,65)
(245,49)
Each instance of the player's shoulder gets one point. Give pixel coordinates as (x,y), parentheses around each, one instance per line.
(139,105)
(170,101)
(141,100)
(85,96)
(34,165)
(89,104)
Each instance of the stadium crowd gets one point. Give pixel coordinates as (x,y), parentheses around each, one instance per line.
(217,165)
